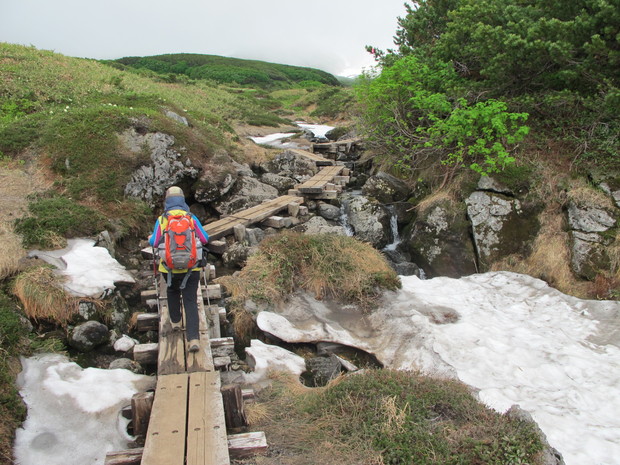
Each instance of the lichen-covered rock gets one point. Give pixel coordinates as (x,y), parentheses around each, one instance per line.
(290,164)
(237,254)
(501,226)
(86,336)
(588,254)
(589,218)
(328,211)
(319,225)
(439,241)
(369,221)
(246,193)
(590,223)
(282,183)
(167,167)
(386,188)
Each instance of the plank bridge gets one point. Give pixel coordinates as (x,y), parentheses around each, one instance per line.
(184,422)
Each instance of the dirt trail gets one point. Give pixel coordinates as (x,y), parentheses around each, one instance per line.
(16,184)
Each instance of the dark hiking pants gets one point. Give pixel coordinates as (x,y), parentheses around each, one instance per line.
(189,298)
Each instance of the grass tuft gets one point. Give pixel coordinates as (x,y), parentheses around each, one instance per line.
(392,417)
(40,291)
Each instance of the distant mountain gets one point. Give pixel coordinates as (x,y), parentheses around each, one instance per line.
(230,70)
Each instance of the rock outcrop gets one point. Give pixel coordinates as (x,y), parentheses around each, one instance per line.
(167,166)
(439,240)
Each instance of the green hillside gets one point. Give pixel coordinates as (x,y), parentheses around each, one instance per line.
(226,70)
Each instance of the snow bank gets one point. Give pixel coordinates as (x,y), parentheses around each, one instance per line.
(73,413)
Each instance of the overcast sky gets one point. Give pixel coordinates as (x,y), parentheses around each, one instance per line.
(325,34)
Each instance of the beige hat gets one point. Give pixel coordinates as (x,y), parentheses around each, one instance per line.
(174,191)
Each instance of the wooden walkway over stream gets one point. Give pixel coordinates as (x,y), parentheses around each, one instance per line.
(184,421)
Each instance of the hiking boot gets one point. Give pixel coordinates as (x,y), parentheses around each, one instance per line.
(178,326)
(194,345)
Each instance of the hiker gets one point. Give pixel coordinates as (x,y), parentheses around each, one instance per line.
(182,283)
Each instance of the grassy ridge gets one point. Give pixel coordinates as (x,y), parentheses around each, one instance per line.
(226,70)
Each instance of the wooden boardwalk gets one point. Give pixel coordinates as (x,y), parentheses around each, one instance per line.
(252,215)
(318,159)
(187,424)
(317,183)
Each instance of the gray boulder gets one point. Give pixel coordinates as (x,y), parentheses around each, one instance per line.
(323,369)
(501,226)
(328,211)
(282,183)
(149,182)
(290,164)
(589,223)
(126,364)
(589,218)
(319,225)
(369,221)
(86,336)
(176,117)
(386,188)
(439,241)
(246,193)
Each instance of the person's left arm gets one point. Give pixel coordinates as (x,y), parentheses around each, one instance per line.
(200,231)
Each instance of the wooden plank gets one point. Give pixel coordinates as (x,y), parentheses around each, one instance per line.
(165,438)
(206,429)
(312,156)
(124,457)
(203,359)
(141,407)
(249,216)
(146,354)
(247,444)
(171,359)
(147,322)
(234,410)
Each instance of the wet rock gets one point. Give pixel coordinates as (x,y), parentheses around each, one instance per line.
(386,188)
(439,241)
(86,336)
(501,226)
(126,364)
(369,220)
(328,211)
(247,192)
(149,182)
(323,369)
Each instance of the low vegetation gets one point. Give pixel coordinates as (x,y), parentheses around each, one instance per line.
(328,266)
(224,70)
(43,298)
(387,417)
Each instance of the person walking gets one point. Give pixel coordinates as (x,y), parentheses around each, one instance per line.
(183,284)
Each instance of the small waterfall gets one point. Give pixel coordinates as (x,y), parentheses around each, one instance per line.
(394,230)
(344,220)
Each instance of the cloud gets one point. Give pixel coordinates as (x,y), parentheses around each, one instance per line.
(326,34)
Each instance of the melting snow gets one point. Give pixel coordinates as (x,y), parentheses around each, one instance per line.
(73,413)
(510,336)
